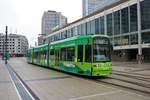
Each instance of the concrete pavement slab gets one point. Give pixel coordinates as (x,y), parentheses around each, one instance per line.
(7,89)
(53,85)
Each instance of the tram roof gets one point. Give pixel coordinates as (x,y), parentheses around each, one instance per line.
(41,46)
(79,37)
(69,40)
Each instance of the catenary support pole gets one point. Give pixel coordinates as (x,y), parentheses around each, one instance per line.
(6,55)
(139,32)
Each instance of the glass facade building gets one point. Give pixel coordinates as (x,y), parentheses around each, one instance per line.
(90,6)
(51,19)
(127,23)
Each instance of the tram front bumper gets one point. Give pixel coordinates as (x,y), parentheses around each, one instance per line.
(102,69)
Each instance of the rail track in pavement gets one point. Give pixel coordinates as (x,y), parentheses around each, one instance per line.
(127,80)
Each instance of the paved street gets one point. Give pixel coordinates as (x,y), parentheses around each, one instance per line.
(7,90)
(48,84)
(132,67)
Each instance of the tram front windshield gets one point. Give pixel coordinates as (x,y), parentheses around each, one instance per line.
(101,49)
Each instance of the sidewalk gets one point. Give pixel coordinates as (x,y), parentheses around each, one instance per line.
(7,89)
(132,67)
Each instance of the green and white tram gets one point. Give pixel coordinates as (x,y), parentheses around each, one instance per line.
(88,55)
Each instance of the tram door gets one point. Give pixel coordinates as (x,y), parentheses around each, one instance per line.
(57,57)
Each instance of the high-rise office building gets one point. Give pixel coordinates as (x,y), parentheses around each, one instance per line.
(90,6)
(51,19)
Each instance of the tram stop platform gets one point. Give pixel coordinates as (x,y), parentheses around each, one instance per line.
(47,84)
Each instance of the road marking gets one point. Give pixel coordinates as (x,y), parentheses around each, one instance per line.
(94,95)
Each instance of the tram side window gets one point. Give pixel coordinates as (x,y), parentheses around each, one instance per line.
(70,53)
(28,54)
(36,55)
(63,54)
(80,53)
(88,53)
(44,54)
(67,54)
(51,54)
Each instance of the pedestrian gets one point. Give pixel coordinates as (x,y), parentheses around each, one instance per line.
(137,58)
(142,58)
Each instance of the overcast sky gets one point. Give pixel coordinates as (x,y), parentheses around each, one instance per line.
(24,16)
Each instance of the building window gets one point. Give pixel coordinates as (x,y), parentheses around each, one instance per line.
(117,41)
(83,29)
(68,33)
(117,22)
(64,35)
(134,39)
(76,31)
(124,20)
(125,40)
(133,18)
(109,24)
(88,24)
(145,14)
(72,32)
(93,27)
(101,25)
(145,38)
(97,26)
(79,29)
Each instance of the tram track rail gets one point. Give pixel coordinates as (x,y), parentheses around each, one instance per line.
(132,82)
(22,89)
(133,73)
(142,78)
(125,84)
(127,80)
(126,87)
